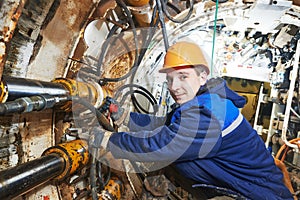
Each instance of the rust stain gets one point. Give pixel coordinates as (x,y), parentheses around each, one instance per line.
(2,57)
(15,14)
(35,125)
(118,68)
(67,21)
(66,191)
(11,21)
(64,28)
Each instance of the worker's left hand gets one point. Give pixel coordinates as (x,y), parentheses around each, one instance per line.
(99,139)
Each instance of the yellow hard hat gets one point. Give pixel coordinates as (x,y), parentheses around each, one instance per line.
(183,54)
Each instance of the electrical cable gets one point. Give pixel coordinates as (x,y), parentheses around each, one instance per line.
(159,5)
(135,103)
(138,106)
(134,68)
(138,57)
(118,91)
(99,170)
(108,41)
(281,156)
(214,37)
(279,161)
(165,11)
(177,10)
(105,45)
(153,25)
(149,98)
(93,179)
(150,33)
(144,92)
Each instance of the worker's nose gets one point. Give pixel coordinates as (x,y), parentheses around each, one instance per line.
(174,85)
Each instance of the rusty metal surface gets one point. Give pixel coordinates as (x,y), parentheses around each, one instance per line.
(58,39)
(26,41)
(10,11)
(118,68)
(43,35)
(58,24)
(10,144)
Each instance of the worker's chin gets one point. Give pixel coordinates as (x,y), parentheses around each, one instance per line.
(181,100)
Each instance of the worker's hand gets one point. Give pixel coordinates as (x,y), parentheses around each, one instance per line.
(99,139)
(116,110)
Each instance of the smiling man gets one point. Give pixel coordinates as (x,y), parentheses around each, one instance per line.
(183,83)
(205,136)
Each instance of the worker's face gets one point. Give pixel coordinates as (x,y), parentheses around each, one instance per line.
(184,83)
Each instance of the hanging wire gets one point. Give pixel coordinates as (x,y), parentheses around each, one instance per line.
(214,37)
(134,68)
(140,90)
(93,173)
(165,11)
(162,23)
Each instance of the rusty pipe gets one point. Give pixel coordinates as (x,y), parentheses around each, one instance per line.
(24,177)
(12,88)
(33,103)
(29,94)
(56,163)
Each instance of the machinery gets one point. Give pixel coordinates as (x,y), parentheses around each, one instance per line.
(67,67)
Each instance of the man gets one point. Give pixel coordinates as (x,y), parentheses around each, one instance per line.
(205,137)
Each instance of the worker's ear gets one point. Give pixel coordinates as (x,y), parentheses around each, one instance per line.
(203,77)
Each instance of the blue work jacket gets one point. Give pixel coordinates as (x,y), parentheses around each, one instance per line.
(209,141)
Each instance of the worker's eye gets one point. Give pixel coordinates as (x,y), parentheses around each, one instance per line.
(183,77)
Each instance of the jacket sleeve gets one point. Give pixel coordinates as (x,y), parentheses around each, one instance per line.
(138,121)
(192,134)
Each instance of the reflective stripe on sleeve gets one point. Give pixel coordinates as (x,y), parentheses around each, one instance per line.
(233,125)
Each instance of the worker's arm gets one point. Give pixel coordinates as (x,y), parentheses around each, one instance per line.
(192,134)
(139,121)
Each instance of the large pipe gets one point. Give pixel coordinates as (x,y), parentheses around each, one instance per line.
(22,178)
(33,103)
(19,95)
(13,88)
(57,162)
